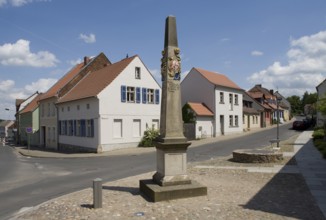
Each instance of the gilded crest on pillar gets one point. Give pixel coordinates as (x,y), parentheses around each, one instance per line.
(174,65)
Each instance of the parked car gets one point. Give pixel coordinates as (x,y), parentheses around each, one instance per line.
(300,125)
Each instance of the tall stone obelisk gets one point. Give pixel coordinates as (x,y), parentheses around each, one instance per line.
(171,180)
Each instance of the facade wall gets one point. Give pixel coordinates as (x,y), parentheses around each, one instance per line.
(286,115)
(196,88)
(204,127)
(251,122)
(228,114)
(48,123)
(75,111)
(29,119)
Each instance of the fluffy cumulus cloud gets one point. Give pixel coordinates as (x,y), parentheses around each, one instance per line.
(89,39)
(304,70)
(19,3)
(257,53)
(9,92)
(42,85)
(19,54)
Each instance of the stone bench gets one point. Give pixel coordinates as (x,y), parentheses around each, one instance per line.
(256,156)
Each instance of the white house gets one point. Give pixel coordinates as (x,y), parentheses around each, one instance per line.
(203,118)
(219,94)
(109,108)
(321,92)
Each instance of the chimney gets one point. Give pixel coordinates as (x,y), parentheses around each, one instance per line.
(86,60)
(271,91)
(258,85)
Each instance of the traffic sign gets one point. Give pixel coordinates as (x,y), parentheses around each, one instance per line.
(29,130)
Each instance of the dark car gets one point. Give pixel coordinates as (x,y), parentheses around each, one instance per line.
(300,125)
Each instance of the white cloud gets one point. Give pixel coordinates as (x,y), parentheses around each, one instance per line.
(304,70)
(42,85)
(224,40)
(6,85)
(74,62)
(257,53)
(19,54)
(19,3)
(9,93)
(88,39)
(3,2)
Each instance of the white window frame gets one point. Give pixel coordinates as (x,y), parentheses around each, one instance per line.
(131,94)
(137,73)
(221,97)
(150,96)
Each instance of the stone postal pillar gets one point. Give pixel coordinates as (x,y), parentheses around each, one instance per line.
(171,180)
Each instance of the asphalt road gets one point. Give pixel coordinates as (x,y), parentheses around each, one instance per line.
(26,182)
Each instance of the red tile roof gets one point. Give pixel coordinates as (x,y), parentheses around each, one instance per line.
(218,79)
(250,111)
(93,83)
(62,82)
(30,107)
(200,109)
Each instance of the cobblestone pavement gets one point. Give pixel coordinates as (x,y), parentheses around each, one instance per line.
(234,192)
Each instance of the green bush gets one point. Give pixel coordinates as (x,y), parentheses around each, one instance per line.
(320,144)
(149,136)
(318,134)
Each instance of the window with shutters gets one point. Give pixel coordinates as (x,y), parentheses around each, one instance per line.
(78,128)
(138,95)
(90,128)
(150,96)
(130,94)
(157,96)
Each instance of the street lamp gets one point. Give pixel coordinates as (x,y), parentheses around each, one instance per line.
(278,122)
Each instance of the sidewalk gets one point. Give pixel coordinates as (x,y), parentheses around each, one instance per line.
(313,168)
(239,191)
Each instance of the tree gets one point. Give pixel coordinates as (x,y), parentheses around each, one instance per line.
(321,107)
(187,114)
(309,98)
(296,104)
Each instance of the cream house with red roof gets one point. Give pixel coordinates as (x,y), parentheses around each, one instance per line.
(47,102)
(220,95)
(109,108)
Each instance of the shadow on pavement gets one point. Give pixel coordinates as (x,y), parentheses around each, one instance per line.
(287,194)
(132,190)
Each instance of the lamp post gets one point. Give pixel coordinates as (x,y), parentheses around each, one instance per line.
(278,122)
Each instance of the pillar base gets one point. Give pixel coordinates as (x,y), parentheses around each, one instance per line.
(157,193)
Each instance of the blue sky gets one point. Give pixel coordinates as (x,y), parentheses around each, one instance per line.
(280,44)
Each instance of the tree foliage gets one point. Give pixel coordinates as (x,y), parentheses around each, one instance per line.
(321,104)
(296,104)
(187,115)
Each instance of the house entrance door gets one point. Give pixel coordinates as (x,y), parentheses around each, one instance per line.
(248,122)
(43,133)
(222,124)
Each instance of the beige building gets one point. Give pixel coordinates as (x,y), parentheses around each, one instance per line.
(47,102)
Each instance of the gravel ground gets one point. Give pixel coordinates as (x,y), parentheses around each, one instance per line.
(232,194)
